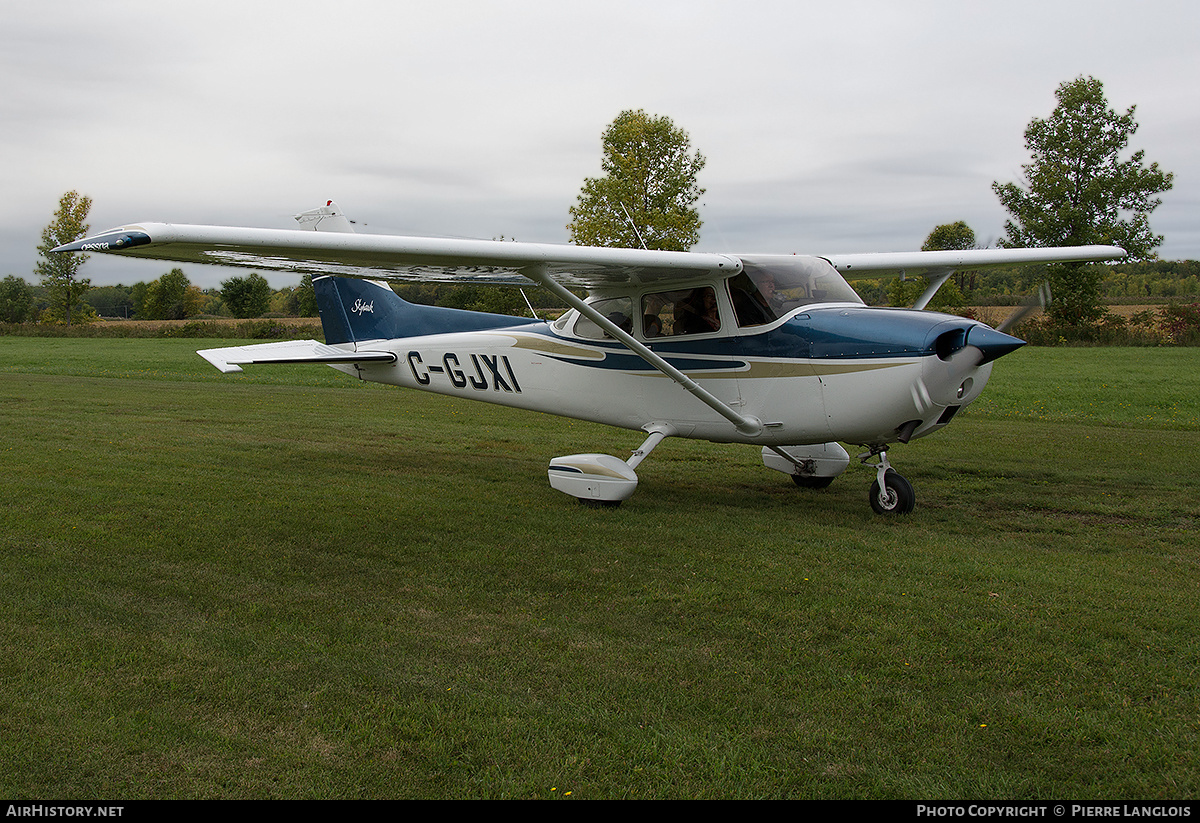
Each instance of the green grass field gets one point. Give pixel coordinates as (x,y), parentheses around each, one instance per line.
(289,584)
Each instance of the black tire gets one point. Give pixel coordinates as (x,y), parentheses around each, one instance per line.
(897,496)
(592,503)
(812,482)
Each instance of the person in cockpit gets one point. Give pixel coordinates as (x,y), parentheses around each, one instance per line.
(754,299)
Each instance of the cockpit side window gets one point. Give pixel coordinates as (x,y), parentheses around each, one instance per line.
(771,286)
(754,303)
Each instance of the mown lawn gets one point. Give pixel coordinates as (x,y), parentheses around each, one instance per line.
(288,584)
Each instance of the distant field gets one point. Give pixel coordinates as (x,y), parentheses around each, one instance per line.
(289,584)
(315,322)
(995,315)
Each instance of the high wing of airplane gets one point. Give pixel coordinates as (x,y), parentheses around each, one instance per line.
(774,351)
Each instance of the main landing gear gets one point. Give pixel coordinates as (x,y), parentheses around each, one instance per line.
(890,492)
(604,481)
(601,480)
(815,467)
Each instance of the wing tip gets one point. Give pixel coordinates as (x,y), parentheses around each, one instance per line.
(113,240)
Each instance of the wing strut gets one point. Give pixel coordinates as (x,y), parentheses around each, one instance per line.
(746,425)
(937,279)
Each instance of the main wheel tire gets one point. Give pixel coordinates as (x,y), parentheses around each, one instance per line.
(811,482)
(592,503)
(896,496)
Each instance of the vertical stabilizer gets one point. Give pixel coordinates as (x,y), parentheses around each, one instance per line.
(354,310)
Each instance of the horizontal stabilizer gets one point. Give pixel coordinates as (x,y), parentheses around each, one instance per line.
(231,359)
(327,218)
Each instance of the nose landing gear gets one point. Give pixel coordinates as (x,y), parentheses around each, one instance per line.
(890,492)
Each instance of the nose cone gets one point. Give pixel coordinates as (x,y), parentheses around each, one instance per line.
(992,343)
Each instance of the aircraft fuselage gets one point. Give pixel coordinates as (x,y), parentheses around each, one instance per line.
(805,380)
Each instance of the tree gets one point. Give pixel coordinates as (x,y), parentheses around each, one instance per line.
(60,272)
(950,236)
(248,296)
(171,297)
(137,295)
(953,237)
(906,292)
(286,302)
(307,297)
(16,300)
(213,304)
(491,299)
(1077,190)
(648,192)
(111,301)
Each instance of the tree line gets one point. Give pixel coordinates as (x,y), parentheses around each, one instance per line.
(171,296)
(64,296)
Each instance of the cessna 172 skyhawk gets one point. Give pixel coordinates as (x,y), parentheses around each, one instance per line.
(775,351)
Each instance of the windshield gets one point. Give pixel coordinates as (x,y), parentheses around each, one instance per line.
(771,286)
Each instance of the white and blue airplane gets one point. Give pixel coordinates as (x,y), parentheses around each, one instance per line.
(774,351)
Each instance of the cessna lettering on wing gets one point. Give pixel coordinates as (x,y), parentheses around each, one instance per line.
(484,371)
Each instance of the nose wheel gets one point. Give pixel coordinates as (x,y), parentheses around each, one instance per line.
(893,496)
(890,492)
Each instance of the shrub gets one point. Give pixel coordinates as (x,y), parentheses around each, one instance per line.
(1180,323)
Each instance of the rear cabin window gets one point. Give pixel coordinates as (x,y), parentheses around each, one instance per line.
(678,312)
(618,310)
(768,288)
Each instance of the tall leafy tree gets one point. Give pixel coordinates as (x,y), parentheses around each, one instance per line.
(248,296)
(60,272)
(950,236)
(647,194)
(171,297)
(1078,190)
(307,297)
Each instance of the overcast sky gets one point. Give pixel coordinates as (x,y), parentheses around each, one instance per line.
(856,126)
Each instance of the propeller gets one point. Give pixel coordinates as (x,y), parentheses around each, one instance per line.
(1037,301)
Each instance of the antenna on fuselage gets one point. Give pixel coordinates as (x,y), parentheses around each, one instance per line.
(532,311)
(633,226)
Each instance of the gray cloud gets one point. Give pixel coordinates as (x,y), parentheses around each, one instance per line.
(855,127)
